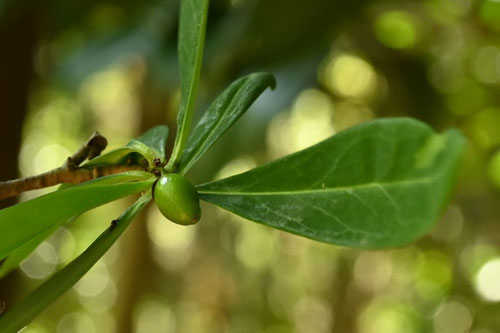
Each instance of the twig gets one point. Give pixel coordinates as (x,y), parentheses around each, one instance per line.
(69,172)
(93,148)
(60,175)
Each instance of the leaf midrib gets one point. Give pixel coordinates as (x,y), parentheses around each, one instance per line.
(195,152)
(415,181)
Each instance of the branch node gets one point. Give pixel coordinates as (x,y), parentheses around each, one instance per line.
(93,148)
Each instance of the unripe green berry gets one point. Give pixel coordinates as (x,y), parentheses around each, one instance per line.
(177,199)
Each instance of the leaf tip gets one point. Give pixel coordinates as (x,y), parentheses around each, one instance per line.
(272,81)
(267,79)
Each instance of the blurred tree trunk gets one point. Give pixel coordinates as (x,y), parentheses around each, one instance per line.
(137,274)
(18,39)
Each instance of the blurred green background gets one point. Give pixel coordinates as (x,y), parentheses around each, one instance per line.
(68,68)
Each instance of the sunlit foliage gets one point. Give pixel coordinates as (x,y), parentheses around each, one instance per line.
(113,70)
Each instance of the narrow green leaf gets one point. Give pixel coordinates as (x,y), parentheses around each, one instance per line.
(113,157)
(156,139)
(24,312)
(21,222)
(227,108)
(379,184)
(149,146)
(192,22)
(19,254)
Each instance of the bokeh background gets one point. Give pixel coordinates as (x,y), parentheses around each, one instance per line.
(68,68)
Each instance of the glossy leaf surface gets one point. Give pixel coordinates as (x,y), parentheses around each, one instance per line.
(156,140)
(149,146)
(192,23)
(379,184)
(227,108)
(25,311)
(21,222)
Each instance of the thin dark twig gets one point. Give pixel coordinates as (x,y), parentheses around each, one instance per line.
(70,172)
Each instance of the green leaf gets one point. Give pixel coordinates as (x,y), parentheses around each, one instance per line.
(227,108)
(149,146)
(21,222)
(24,312)
(379,184)
(19,254)
(120,156)
(192,22)
(156,139)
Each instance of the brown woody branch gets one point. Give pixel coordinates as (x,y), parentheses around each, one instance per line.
(93,148)
(70,172)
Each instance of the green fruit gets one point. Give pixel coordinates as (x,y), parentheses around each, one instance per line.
(177,199)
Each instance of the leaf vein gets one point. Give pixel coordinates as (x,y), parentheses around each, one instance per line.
(416,181)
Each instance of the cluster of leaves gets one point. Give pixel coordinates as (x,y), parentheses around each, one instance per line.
(380,184)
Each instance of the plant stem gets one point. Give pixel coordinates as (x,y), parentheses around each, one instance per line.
(70,172)
(60,175)
(93,148)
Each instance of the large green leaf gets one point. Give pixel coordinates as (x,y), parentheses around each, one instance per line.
(227,108)
(21,222)
(148,146)
(379,184)
(192,22)
(24,312)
